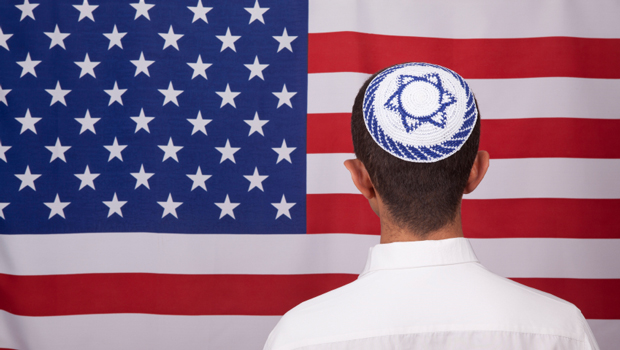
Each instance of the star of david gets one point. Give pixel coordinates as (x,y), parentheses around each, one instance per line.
(434,110)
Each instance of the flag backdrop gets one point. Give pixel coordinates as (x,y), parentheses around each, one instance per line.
(171,171)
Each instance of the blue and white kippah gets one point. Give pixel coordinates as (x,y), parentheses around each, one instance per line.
(419,112)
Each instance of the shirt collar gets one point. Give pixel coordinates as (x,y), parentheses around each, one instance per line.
(402,255)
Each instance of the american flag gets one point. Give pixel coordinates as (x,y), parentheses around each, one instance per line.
(171,171)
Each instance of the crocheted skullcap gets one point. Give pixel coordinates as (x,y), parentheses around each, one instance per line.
(419,112)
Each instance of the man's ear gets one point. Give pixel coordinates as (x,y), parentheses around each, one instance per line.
(361,178)
(478,170)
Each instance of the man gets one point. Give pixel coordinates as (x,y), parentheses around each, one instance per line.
(415,131)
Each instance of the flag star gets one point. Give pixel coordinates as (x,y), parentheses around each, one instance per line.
(200,12)
(142,65)
(227,208)
(256,12)
(2,206)
(228,152)
(57,207)
(228,40)
(4,38)
(284,152)
(142,178)
(283,207)
(28,66)
(27,179)
(115,94)
(256,125)
(256,180)
(57,38)
(199,179)
(199,124)
(285,41)
(142,9)
(170,207)
(87,178)
(170,150)
(3,150)
(28,122)
(115,206)
(284,97)
(115,150)
(171,38)
(256,69)
(170,94)
(3,93)
(58,151)
(87,122)
(86,10)
(115,38)
(142,121)
(26,9)
(199,68)
(87,66)
(228,97)
(58,94)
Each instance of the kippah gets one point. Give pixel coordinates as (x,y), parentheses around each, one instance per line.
(419,112)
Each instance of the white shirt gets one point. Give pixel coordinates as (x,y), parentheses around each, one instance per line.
(431,295)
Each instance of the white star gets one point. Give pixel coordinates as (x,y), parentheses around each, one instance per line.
(142,178)
(283,207)
(170,207)
(4,38)
(3,93)
(170,150)
(256,180)
(115,150)
(284,97)
(115,38)
(200,12)
(115,206)
(87,66)
(115,94)
(87,178)
(58,151)
(27,179)
(171,38)
(142,121)
(26,9)
(256,125)
(227,208)
(58,94)
(256,69)
(142,65)
(86,10)
(28,122)
(87,122)
(199,179)
(284,152)
(57,207)
(28,66)
(199,68)
(199,124)
(228,40)
(57,38)
(285,41)
(3,150)
(256,12)
(2,206)
(228,97)
(142,9)
(170,94)
(228,152)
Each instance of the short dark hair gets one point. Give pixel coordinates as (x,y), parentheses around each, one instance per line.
(422,197)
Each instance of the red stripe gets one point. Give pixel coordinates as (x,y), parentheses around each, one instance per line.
(489,218)
(472,58)
(546,137)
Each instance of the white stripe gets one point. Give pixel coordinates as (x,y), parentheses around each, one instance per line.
(468,19)
(506,178)
(606,333)
(497,98)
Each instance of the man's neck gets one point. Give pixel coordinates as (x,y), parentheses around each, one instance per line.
(391,232)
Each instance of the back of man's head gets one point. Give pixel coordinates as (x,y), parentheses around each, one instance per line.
(421,196)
